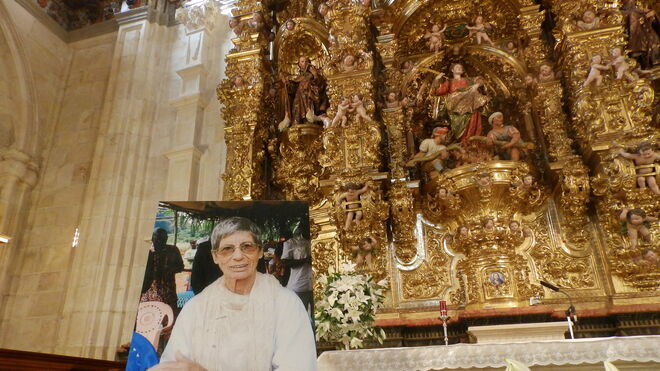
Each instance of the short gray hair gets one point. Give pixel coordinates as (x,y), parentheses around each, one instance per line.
(232,225)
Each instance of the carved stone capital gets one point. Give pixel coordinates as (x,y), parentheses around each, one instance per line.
(195,15)
(17,165)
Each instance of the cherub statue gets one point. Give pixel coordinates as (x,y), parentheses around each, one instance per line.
(514,228)
(649,258)
(353,205)
(406,67)
(362,252)
(446,196)
(460,237)
(358,107)
(480,29)
(530,81)
(256,22)
(644,159)
(348,63)
(483,180)
(290,25)
(238,82)
(594,72)
(620,65)
(528,183)
(392,101)
(324,9)
(545,73)
(342,109)
(435,37)
(463,232)
(635,222)
(488,225)
(589,21)
(236,25)
(511,48)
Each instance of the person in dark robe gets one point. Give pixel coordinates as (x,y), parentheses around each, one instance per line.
(163,262)
(204,270)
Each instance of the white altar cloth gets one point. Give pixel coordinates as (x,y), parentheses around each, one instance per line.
(457,356)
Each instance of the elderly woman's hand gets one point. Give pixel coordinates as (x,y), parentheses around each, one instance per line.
(181,364)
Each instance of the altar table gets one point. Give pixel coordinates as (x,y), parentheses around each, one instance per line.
(627,353)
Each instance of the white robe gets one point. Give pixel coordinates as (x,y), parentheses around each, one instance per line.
(229,332)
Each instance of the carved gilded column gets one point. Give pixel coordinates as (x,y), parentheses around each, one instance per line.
(297,170)
(354,145)
(351,155)
(244,95)
(393,112)
(572,174)
(536,51)
(393,118)
(611,113)
(184,157)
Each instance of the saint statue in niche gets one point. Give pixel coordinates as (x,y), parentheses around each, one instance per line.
(462,102)
(643,39)
(303,96)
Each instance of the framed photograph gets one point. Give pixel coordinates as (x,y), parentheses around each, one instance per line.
(200,248)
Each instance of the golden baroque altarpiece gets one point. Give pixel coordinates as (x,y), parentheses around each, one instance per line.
(464,150)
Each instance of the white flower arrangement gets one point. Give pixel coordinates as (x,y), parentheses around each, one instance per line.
(347,312)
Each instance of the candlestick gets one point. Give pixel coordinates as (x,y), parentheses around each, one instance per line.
(443,308)
(444,317)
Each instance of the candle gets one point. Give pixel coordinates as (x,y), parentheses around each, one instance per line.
(443,308)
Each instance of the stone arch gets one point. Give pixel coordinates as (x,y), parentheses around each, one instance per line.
(19,88)
(19,145)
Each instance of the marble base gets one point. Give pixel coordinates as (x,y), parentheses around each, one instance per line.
(519,333)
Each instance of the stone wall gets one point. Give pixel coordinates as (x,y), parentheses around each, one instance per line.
(111,111)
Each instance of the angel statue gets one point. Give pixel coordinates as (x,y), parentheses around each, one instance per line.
(480,30)
(351,202)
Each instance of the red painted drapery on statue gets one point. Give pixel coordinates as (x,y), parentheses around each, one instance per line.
(462,101)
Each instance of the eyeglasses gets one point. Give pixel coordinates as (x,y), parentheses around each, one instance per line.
(247,248)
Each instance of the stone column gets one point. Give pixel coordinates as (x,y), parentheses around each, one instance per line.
(199,20)
(18,175)
(103,285)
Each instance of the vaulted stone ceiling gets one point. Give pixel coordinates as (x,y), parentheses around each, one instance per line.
(75,14)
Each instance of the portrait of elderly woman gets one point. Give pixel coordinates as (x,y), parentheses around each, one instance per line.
(243,321)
